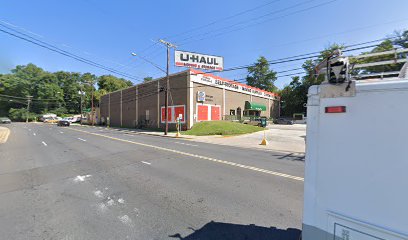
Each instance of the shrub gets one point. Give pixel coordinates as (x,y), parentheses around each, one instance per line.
(20,114)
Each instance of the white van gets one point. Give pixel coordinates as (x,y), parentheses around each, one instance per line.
(356,172)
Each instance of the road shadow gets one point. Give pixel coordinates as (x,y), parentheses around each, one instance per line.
(229,231)
(290,156)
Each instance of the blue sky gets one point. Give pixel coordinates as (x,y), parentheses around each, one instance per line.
(108,31)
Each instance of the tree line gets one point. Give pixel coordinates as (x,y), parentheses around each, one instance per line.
(294,94)
(57,92)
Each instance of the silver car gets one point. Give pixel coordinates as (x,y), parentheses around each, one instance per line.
(5,120)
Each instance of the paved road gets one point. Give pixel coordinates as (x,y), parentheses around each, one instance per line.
(97,183)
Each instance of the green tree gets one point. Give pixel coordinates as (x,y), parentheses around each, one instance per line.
(111,83)
(69,82)
(21,114)
(383,46)
(147,79)
(294,95)
(98,94)
(401,38)
(260,76)
(56,92)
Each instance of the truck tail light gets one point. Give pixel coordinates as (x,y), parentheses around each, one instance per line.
(335,109)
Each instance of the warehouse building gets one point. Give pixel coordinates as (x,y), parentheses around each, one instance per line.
(194,96)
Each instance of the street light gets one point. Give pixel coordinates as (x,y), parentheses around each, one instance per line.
(148,61)
(166,92)
(166,100)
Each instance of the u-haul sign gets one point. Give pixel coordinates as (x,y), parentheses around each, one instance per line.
(197,60)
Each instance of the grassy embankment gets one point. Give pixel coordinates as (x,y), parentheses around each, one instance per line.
(221,128)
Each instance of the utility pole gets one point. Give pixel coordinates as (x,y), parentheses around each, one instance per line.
(167,89)
(92,105)
(82,93)
(28,107)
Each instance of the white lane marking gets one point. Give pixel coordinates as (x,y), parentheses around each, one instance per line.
(82,139)
(98,193)
(44,143)
(29,129)
(34,134)
(187,144)
(198,156)
(61,132)
(146,163)
(125,219)
(111,202)
(81,178)
(120,200)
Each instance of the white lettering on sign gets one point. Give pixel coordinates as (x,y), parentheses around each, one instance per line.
(197,60)
(206,79)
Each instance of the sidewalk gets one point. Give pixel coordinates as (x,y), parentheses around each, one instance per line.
(282,138)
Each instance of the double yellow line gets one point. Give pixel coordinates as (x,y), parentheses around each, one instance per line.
(197,156)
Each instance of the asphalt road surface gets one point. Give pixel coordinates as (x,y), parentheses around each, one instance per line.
(97,183)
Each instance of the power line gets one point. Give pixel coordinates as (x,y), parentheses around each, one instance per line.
(223,32)
(339,33)
(305,56)
(279,76)
(63,52)
(25,98)
(223,19)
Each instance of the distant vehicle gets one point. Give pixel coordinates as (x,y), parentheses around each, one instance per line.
(258,121)
(283,121)
(5,120)
(52,120)
(63,123)
(299,118)
(47,116)
(69,119)
(76,118)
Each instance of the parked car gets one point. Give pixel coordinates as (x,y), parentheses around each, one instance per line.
(47,116)
(283,121)
(69,119)
(63,123)
(52,120)
(5,120)
(76,119)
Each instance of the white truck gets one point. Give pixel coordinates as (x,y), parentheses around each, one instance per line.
(356,168)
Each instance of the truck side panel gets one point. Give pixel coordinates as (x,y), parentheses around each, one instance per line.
(356,181)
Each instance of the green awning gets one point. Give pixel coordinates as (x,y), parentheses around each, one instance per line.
(254,106)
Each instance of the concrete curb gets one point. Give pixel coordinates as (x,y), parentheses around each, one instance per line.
(4,134)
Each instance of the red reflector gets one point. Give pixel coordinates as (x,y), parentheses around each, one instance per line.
(336,109)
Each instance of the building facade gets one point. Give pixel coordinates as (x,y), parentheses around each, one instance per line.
(194,96)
